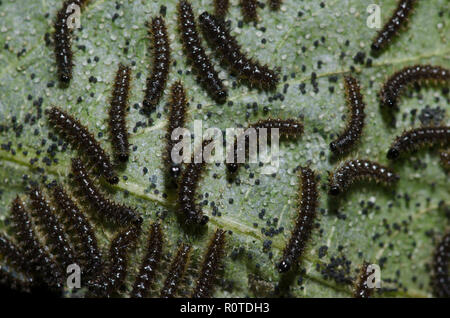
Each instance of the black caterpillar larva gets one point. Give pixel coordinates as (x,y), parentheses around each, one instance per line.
(230,53)
(361,289)
(356,169)
(206,73)
(248,9)
(156,82)
(118,112)
(391,28)
(352,132)
(441,279)
(176,271)
(307,212)
(409,75)
(149,263)
(82,139)
(418,138)
(211,264)
(275,4)
(77,223)
(117,213)
(12,254)
(221,8)
(50,224)
(13,282)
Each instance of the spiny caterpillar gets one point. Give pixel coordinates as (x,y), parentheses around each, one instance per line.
(113,277)
(305,220)
(445,159)
(39,262)
(206,73)
(12,254)
(441,279)
(356,169)
(188,185)
(117,213)
(352,132)
(230,52)
(275,4)
(177,118)
(418,138)
(62,39)
(156,82)
(118,112)
(51,225)
(361,289)
(176,271)
(409,75)
(286,128)
(248,8)
(149,263)
(211,264)
(80,137)
(13,282)
(390,29)
(81,230)
(221,8)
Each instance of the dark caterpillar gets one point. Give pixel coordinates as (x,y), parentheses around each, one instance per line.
(117,213)
(13,282)
(286,128)
(211,264)
(409,75)
(39,262)
(248,9)
(441,279)
(51,225)
(230,52)
(221,8)
(356,169)
(63,42)
(81,230)
(12,254)
(118,112)
(352,132)
(149,264)
(305,220)
(275,4)
(81,138)
(113,277)
(418,138)
(361,289)
(445,159)
(206,73)
(188,185)
(156,82)
(391,28)
(177,117)
(176,271)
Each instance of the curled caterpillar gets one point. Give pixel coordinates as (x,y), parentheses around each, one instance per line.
(206,73)
(418,138)
(149,263)
(188,185)
(161,64)
(63,39)
(177,118)
(230,52)
(409,75)
(176,271)
(356,169)
(286,128)
(117,213)
(441,279)
(445,159)
(39,262)
(81,230)
(391,28)
(248,8)
(211,263)
(305,220)
(113,277)
(118,112)
(80,137)
(275,4)
(352,132)
(361,289)
(51,225)
(221,8)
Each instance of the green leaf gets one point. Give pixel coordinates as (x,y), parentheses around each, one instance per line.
(396,233)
